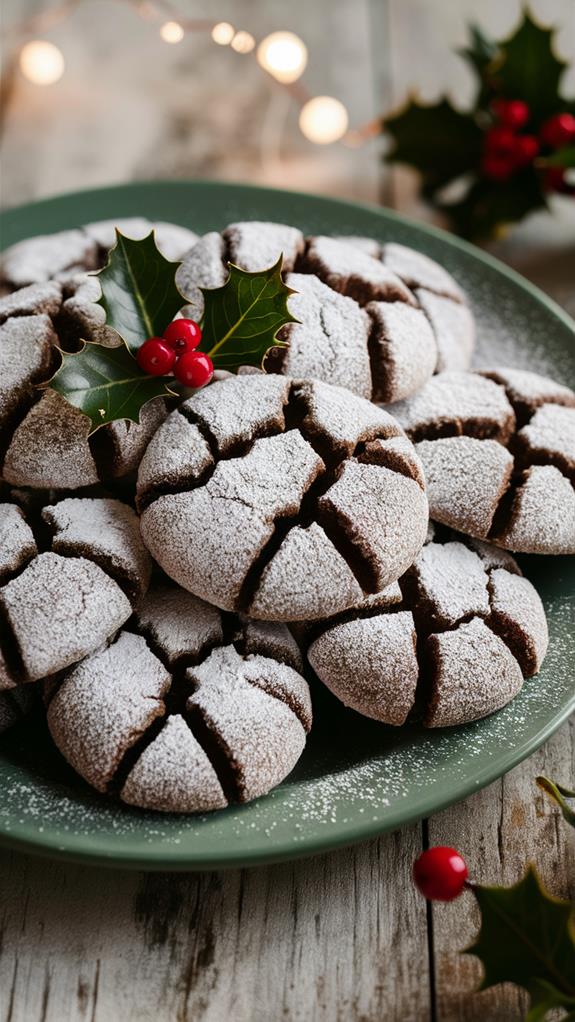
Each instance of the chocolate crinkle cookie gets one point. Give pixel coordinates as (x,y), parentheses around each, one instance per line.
(378,322)
(465,630)
(187,710)
(498,451)
(283,499)
(44,440)
(70,576)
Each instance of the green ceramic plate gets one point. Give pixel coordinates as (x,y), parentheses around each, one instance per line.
(356,778)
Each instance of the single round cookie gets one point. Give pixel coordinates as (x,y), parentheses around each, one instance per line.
(69,578)
(283,499)
(463,632)
(378,326)
(187,710)
(498,451)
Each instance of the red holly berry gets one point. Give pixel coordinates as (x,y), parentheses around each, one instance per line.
(498,168)
(558,131)
(513,113)
(183,335)
(440,873)
(194,369)
(155,357)
(499,140)
(525,150)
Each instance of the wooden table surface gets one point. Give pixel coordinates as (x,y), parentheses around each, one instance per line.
(342,936)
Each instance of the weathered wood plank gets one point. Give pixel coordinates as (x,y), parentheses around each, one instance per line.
(499,831)
(329,939)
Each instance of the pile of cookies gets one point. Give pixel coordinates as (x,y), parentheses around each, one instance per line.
(170,590)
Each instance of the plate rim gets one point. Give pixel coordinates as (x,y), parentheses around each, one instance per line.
(74,847)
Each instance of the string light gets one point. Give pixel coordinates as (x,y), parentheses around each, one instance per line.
(172,32)
(323,120)
(41,62)
(223,33)
(243,42)
(283,55)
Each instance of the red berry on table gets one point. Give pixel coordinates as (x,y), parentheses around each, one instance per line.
(440,873)
(513,113)
(558,131)
(496,167)
(155,357)
(194,369)
(183,335)
(526,149)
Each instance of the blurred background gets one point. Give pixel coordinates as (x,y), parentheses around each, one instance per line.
(139,89)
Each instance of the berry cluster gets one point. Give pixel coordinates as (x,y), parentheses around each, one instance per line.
(507,149)
(175,352)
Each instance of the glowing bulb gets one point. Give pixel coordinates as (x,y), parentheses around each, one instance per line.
(223,33)
(172,32)
(243,42)
(283,55)
(323,120)
(42,63)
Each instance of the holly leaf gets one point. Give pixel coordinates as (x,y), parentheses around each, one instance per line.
(560,795)
(243,316)
(529,68)
(481,51)
(527,937)
(139,293)
(442,143)
(488,208)
(107,384)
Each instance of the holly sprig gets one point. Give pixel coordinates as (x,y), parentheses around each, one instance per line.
(140,297)
(477,166)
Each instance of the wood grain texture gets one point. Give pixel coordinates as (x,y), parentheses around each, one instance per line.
(344,937)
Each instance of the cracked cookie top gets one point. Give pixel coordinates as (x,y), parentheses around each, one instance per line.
(498,451)
(379,320)
(283,499)
(463,632)
(70,576)
(187,710)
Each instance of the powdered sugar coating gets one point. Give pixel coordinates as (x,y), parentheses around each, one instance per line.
(349,270)
(50,447)
(174,775)
(25,355)
(453,326)
(175,453)
(203,266)
(331,340)
(396,453)
(417,270)
(462,402)
(252,407)
(336,415)
(542,516)
(60,608)
(550,434)
(132,719)
(256,245)
(451,582)
(39,259)
(17,543)
(106,531)
(370,664)
(104,704)
(305,594)
(475,675)
(517,615)
(520,498)
(403,349)
(465,479)
(361,655)
(260,734)
(32,301)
